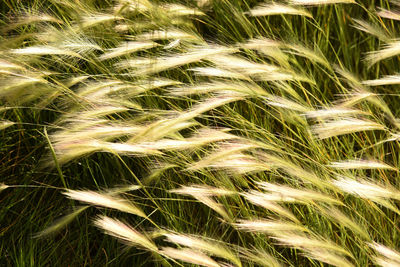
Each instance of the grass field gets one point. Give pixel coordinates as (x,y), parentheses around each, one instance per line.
(199,133)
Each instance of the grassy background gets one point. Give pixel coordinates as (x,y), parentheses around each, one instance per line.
(36,201)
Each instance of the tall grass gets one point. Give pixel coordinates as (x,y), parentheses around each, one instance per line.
(209,133)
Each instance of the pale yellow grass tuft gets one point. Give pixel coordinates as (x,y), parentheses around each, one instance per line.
(366,189)
(167,35)
(343,126)
(127,48)
(386,80)
(6,124)
(7,65)
(204,195)
(360,94)
(211,247)
(207,105)
(214,205)
(371,29)
(182,120)
(268,226)
(190,256)
(93,129)
(261,257)
(203,137)
(60,223)
(329,257)
(243,88)
(244,66)
(387,257)
(203,3)
(90,88)
(102,110)
(310,243)
(286,103)
(97,91)
(124,232)
(320,2)
(218,72)
(15,87)
(388,14)
(91,20)
(390,50)
(202,190)
(344,220)
(32,18)
(44,50)
(160,129)
(360,164)
(289,194)
(266,202)
(74,149)
(140,6)
(276,9)
(104,200)
(3,186)
(294,169)
(317,248)
(269,48)
(80,45)
(180,10)
(123,189)
(237,163)
(147,66)
(172,44)
(314,55)
(386,262)
(227,151)
(332,113)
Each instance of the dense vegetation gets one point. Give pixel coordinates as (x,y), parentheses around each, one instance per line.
(208,132)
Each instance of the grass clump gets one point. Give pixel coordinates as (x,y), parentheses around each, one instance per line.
(210,133)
